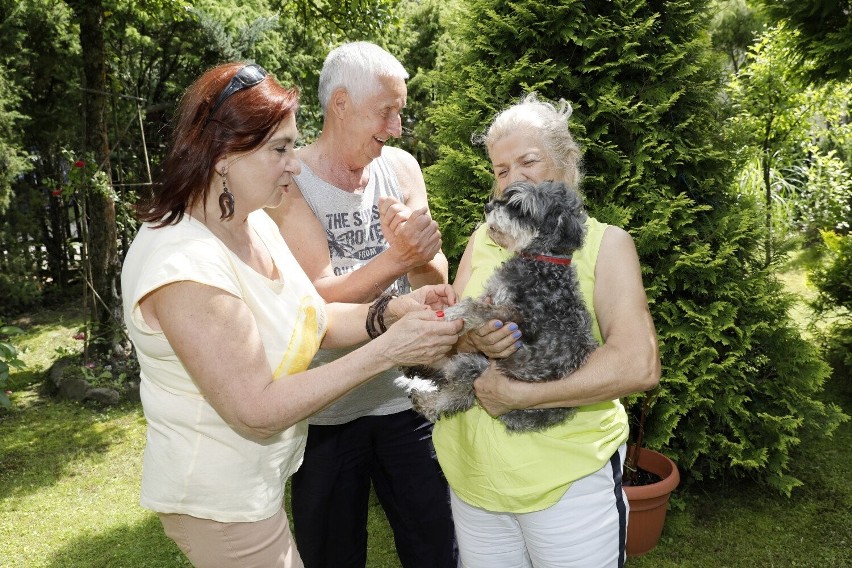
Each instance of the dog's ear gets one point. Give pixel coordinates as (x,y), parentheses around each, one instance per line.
(567,218)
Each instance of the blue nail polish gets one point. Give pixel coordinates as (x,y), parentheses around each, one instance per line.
(513,326)
(516,335)
(518,344)
(498,324)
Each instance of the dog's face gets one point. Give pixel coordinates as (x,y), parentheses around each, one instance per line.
(547,218)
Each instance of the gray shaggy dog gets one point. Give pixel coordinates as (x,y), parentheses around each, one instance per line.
(538,289)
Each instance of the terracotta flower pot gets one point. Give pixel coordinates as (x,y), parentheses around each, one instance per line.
(648,503)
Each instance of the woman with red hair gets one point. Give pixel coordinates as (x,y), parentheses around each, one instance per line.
(225,323)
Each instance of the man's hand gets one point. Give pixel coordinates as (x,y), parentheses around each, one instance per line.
(413,236)
(436,296)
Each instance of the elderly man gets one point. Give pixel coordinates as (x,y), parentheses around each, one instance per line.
(359,225)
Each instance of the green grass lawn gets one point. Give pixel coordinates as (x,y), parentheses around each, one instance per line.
(69,484)
(743,525)
(70,473)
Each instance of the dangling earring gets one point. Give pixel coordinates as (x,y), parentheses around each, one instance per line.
(226,201)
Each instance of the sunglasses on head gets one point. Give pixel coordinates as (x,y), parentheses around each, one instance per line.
(246,77)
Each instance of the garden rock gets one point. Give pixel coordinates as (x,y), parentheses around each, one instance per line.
(103,395)
(133,391)
(57,373)
(74,389)
(65,381)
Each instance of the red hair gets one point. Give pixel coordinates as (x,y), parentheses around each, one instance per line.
(242,123)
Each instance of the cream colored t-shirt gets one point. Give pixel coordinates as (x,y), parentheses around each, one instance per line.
(491,468)
(194,462)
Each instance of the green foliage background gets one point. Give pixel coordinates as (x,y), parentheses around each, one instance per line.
(825,37)
(739,383)
(662,156)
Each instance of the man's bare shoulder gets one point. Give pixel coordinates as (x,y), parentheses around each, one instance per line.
(399,157)
(408,173)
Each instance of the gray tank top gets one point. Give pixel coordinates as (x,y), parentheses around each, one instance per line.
(354,234)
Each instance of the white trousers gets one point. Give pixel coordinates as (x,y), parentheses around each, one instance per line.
(587,528)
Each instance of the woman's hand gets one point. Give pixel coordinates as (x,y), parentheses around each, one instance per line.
(419,338)
(435,298)
(498,394)
(495,339)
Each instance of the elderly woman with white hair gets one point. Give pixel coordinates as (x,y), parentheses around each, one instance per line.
(551,497)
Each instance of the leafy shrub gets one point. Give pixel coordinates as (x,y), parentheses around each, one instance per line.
(832,277)
(824,202)
(20,259)
(834,299)
(18,292)
(740,385)
(8,359)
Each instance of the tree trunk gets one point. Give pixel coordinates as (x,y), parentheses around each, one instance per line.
(55,235)
(102,247)
(767,186)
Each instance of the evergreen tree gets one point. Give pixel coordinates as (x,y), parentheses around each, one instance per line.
(421,38)
(734,28)
(13,158)
(824,38)
(43,69)
(739,384)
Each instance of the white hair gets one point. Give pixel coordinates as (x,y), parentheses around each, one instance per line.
(550,124)
(355,67)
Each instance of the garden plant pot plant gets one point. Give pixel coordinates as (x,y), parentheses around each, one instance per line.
(649,502)
(649,479)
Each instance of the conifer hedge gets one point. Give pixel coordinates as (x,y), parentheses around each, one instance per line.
(740,386)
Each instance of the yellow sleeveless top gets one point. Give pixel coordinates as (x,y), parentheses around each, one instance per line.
(491,468)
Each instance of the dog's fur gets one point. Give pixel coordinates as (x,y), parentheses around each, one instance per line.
(541,296)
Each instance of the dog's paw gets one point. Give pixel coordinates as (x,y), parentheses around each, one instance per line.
(426,404)
(465,368)
(477,313)
(536,419)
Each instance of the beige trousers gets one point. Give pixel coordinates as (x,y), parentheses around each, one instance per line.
(211,544)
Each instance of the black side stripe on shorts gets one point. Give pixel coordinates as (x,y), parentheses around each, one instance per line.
(615,461)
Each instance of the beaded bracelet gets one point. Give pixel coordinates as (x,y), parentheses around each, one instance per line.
(376,315)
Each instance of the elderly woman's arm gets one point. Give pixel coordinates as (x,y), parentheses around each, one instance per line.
(626,363)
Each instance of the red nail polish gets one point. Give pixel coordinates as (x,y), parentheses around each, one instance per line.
(440,313)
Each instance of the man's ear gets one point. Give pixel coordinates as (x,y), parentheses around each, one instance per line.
(340,102)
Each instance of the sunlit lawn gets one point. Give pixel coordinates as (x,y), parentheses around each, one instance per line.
(69,473)
(69,483)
